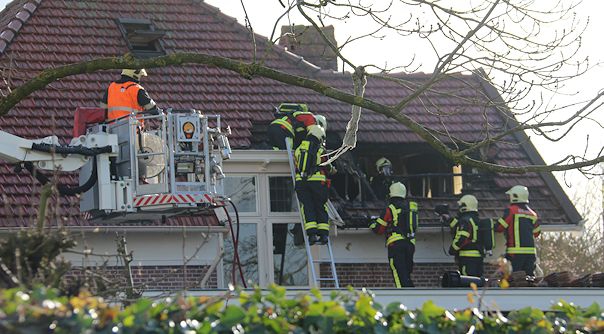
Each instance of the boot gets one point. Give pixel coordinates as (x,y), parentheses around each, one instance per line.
(323,239)
(312,236)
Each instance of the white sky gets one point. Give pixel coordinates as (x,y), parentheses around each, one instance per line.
(263,14)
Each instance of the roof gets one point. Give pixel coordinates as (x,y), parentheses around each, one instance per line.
(35,35)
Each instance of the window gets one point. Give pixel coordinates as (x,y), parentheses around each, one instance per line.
(457,180)
(242,191)
(142,37)
(289,255)
(281,194)
(247,249)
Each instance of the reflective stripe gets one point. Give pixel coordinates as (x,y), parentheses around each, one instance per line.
(397,280)
(453,223)
(394,237)
(284,123)
(314,177)
(119,108)
(470,253)
(474,230)
(381,222)
(521,250)
(309,225)
(149,105)
(464,233)
(323,226)
(503,222)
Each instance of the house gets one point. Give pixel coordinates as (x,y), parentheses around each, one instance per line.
(38,34)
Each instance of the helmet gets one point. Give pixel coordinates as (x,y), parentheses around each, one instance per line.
(321,121)
(518,194)
(468,203)
(289,107)
(134,74)
(316,131)
(381,163)
(398,189)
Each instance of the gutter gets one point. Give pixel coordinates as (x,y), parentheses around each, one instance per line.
(146,229)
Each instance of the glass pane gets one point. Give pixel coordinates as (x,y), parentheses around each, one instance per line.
(289,255)
(248,256)
(281,194)
(242,191)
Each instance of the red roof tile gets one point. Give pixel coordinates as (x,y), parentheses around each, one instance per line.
(35,35)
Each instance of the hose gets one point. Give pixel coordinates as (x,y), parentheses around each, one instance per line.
(90,152)
(235,238)
(63,189)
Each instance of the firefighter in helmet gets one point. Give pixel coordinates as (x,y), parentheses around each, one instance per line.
(465,245)
(126,96)
(381,183)
(293,121)
(520,226)
(399,223)
(312,186)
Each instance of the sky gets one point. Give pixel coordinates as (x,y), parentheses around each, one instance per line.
(392,48)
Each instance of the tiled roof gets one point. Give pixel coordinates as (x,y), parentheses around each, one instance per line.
(51,33)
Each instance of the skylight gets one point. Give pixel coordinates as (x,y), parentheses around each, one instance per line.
(142,38)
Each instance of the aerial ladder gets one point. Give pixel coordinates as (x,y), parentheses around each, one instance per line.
(170,167)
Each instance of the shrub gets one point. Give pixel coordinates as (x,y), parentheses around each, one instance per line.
(44,311)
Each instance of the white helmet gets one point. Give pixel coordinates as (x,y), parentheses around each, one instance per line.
(134,74)
(321,121)
(398,189)
(518,194)
(381,163)
(468,203)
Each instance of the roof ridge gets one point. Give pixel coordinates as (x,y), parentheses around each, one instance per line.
(281,51)
(8,33)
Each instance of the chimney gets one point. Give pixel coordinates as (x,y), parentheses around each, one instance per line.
(305,41)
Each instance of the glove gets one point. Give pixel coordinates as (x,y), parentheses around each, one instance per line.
(452,251)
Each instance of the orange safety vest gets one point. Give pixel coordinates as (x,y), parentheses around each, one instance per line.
(122,99)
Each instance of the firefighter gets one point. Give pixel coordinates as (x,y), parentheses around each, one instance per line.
(520,226)
(312,186)
(293,120)
(399,223)
(126,95)
(465,245)
(381,183)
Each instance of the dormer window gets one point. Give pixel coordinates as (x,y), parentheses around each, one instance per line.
(141,36)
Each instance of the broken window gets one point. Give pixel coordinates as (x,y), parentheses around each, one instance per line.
(141,37)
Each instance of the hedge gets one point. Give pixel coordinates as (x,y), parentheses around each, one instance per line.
(44,311)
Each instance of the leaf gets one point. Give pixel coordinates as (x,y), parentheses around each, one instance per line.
(231,316)
(430,310)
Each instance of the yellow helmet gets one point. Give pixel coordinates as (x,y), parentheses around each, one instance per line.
(468,203)
(381,163)
(321,121)
(289,107)
(398,189)
(134,74)
(518,194)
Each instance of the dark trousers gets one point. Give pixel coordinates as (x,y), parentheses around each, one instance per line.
(470,266)
(523,262)
(400,258)
(276,136)
(313,197)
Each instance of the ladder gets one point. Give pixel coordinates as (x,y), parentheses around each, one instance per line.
(316,279)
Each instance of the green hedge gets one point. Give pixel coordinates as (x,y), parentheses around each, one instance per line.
(43,311)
